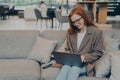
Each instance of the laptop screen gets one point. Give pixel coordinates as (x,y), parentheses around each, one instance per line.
(68,59)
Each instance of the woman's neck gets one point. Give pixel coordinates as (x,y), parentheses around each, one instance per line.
(83,29)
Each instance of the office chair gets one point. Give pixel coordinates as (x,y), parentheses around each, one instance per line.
(61,19)
(39,17)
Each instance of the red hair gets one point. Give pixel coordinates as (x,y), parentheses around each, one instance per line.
(83,14)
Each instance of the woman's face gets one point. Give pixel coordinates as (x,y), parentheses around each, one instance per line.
(77,21)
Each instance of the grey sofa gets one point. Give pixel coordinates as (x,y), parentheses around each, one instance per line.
(15,47)
(103,66)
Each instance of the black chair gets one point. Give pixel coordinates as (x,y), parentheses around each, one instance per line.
(39,17)
(51,13)
(3,11)
(11,12)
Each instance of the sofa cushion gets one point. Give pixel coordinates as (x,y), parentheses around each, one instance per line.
(19,69)
(42,50)
(62,48)
(113,33)
(108,33)
(116,34)
(55,35)
(115,66)
(49,73)
(111,43)
(102,66)
(17,43)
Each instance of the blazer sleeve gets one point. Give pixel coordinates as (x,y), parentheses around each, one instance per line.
(96,49)
(64,47)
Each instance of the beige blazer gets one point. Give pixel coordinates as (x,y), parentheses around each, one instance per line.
(91,47)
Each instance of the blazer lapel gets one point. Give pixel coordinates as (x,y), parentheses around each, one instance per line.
(73,39)
(85,39)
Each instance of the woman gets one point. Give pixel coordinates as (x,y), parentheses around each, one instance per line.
(43,9)
(85,39)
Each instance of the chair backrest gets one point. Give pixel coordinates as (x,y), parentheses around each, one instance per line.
(6,7)
(60,18)
(38,14)
(58,14)
(50,12)
(1,10)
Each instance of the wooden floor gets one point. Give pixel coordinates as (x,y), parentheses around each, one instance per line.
(13,22)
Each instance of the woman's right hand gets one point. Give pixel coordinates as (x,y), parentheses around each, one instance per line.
(56,65)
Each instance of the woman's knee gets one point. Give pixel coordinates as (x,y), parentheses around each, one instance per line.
(66,67)
(79,70)
(75,69)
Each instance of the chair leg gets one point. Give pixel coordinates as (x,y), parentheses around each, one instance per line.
(46,23)
(50,22)
(36,22)
(41,24)
(56,22)
(61,26)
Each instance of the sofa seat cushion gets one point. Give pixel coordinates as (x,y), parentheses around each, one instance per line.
(49,73)
(19,69)
(92,78)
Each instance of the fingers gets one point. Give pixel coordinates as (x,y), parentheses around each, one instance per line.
(82,58)
(57,65)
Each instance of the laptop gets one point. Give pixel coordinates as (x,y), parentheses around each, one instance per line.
(68,59)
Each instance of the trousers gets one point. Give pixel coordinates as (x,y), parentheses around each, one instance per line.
(70,72)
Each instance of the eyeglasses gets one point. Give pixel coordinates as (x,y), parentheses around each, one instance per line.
(77,20)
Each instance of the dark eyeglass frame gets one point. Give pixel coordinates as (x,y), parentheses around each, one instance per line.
(76,20)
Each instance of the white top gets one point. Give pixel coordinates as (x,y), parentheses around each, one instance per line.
(80,37)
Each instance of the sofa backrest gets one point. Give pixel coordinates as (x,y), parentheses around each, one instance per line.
(57,35)
(111,39)
(61,35)
(113,33)
(17,43)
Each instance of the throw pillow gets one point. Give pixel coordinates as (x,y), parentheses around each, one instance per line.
(111,44)
(115,66)
(42,50)
(102,66)
(62,48)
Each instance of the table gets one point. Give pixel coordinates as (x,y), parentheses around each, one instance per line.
(51,14)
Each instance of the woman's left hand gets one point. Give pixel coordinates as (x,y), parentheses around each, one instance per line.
(82,58)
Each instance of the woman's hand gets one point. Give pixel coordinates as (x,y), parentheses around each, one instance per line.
(57,65)
(82,58)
